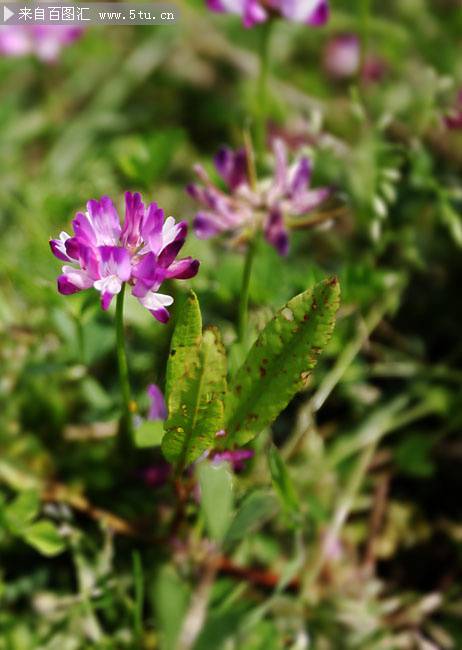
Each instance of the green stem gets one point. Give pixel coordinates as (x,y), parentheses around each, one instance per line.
(262,88)
(364,15)
(245,289)
(122,361)
(260,133)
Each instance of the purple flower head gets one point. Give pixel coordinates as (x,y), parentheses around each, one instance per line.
(244,207)
(104,254)
(158,408)
(252,12)
(43,41)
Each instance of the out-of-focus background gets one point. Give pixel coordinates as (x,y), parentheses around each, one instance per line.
(378,563)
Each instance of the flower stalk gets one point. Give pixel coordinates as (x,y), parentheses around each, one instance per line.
(262,89)
(245,289)
(128,404)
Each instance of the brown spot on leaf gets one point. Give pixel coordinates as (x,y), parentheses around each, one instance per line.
(262,372)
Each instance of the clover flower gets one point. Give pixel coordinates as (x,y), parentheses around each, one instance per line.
(44,41)
(247,206)
(104,254)
(310,12)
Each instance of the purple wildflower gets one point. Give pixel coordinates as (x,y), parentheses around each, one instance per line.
(158,408)
(235,457)
(342,56)
(104,254)
(44,41)
(310,12)
(245,206)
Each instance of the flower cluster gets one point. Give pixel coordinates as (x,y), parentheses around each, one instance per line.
(44,41)
(247,206)
(142,252)
(310,12)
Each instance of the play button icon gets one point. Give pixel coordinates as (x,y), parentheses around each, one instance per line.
(7,14)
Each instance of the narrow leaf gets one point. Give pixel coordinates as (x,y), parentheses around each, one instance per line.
(170,596)
(216,485)
(184,352)
(196,384)
(281,360)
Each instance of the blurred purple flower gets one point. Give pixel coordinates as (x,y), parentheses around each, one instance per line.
(158,408)
(310,12)
(342,59)
(453,120)
(104,254)
(157,474)
(235,457)
(44,41)
(342,56)
(374,69)
(244,206)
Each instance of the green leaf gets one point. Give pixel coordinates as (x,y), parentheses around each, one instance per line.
(22,510)
(281,360)
(196,385)
(184,352)
(44,537)
(216,485)
(149,433)
(282,481)
(170,596)
(256,508)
